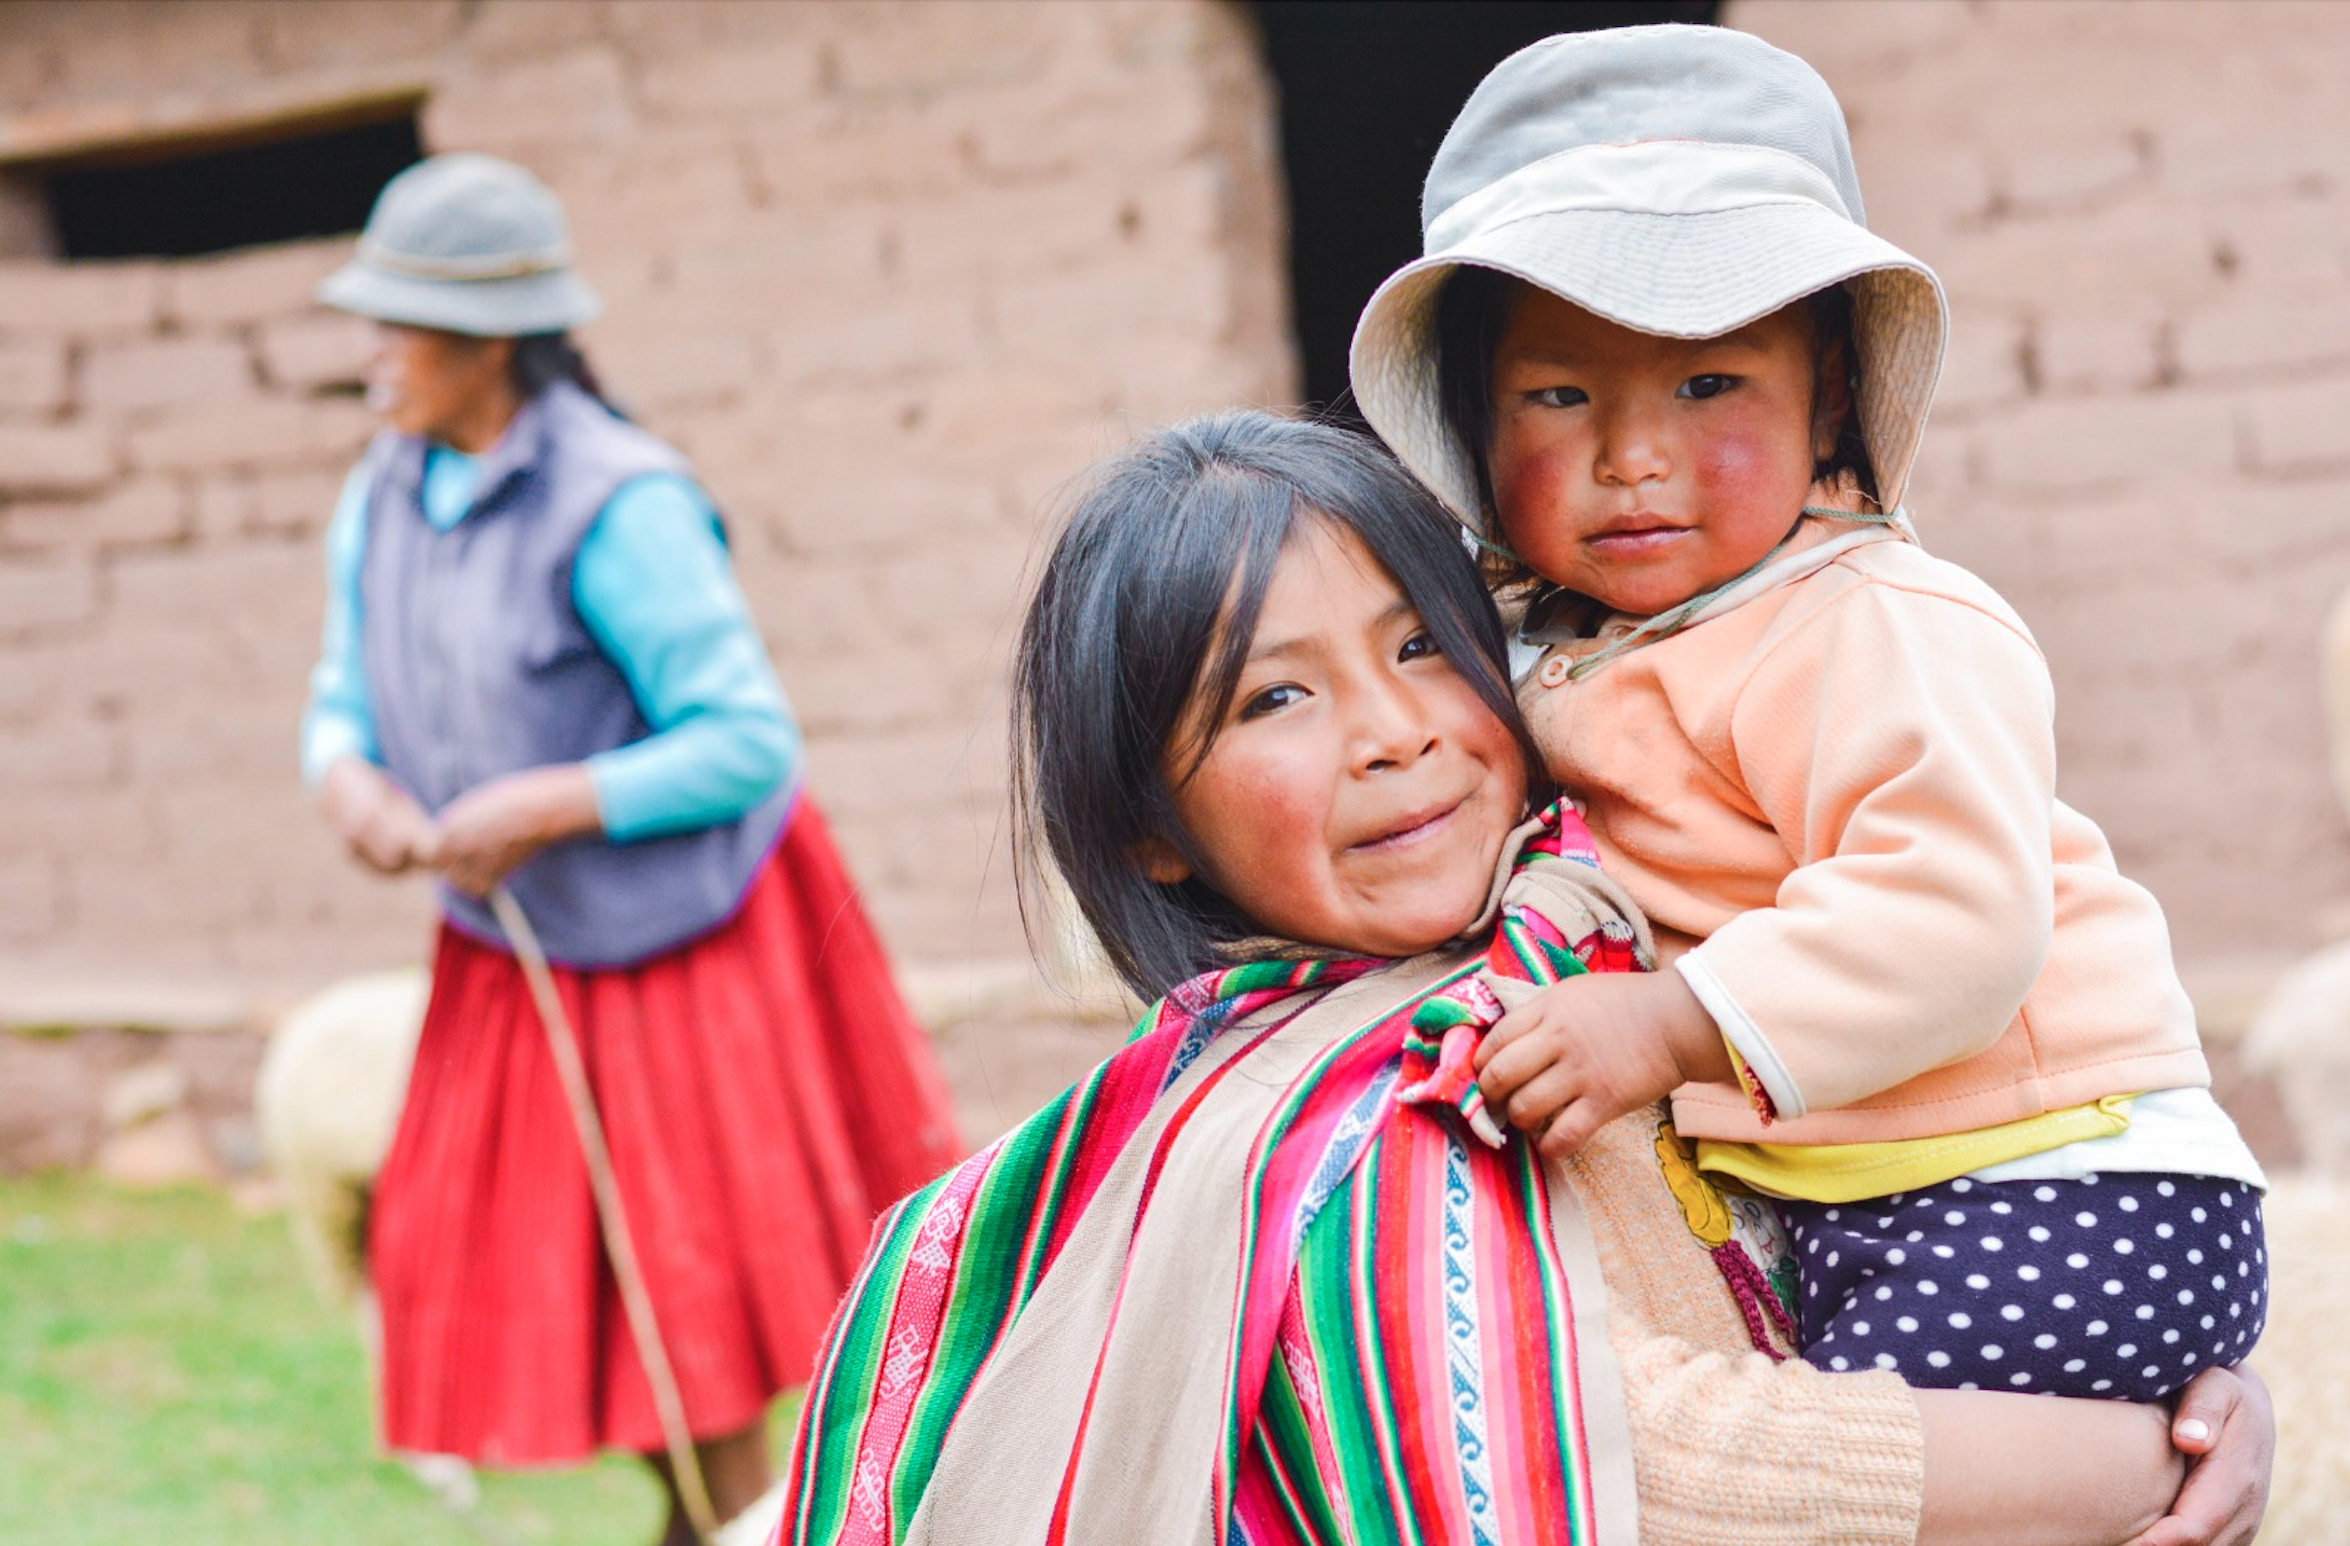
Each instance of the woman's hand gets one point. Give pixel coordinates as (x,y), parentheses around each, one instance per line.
(2226,1427)
(486,832)
(378,821)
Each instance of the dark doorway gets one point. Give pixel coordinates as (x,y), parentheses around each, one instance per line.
(1368,88)
(177,201)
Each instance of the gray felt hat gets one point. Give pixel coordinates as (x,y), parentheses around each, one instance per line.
(1676,180)
(467,244)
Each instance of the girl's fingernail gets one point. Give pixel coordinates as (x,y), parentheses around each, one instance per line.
(2195,1428)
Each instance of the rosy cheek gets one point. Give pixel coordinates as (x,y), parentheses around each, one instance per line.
(1734,459)
(1527,491)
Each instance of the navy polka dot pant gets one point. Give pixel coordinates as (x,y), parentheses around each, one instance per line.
(2119,1285)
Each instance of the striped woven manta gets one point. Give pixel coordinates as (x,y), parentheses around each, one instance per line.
(1268,1275)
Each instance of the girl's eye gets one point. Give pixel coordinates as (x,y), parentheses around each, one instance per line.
(1559,397)
(1420,646)
(1269,701)
(1705,386)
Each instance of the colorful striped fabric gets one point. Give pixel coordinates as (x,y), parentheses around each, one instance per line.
(1396,1338)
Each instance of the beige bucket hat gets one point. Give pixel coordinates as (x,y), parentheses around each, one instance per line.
(1673,179)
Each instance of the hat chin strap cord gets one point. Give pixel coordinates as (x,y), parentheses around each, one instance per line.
(685,1465)
(1673,619)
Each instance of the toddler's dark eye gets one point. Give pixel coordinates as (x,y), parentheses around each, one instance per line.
(1559,397)
(1705,386)
(1419,646)
(1272,699)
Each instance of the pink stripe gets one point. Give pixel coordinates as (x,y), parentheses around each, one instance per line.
(1504,1349)
(917,1318)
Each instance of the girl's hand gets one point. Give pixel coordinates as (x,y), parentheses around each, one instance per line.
(486,832)
(378,821)
(1585,1051)
(2225,1425)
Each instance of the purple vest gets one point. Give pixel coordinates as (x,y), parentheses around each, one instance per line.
(478,664)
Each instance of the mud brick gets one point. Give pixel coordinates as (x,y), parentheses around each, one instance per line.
(2299,429)
(321,349)
(68,458)
(142,376)
(44,593)
(100,299)
(32,375)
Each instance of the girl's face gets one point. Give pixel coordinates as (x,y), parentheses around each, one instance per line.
(1641,470)
(1358,792)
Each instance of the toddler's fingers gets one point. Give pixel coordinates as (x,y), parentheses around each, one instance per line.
(1571,1129)
(1505,1032)
(1508,1069)
(1530,1106)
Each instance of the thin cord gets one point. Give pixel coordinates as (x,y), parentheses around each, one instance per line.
(1673,619)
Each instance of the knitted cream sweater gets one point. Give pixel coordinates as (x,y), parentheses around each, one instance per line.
(1730,1448)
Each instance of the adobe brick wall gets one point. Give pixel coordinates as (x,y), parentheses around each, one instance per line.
(2142,213)
(891,273)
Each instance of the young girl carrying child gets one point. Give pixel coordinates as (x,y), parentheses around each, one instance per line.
(1254,1278)
(1657,362)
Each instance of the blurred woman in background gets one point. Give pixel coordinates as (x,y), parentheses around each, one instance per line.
(539,672)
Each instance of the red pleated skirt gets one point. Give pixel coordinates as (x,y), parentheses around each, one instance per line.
(764,1093)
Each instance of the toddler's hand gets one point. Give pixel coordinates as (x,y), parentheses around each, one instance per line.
(1583,1052)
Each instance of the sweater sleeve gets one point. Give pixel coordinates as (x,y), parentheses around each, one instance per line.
(1728,1447)
(1731,1449)
(339,720)
(1902,745)
(655,588)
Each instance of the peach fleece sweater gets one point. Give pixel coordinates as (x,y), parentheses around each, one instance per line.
(1836,803)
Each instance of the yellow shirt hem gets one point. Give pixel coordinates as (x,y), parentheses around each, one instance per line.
(1849,1172)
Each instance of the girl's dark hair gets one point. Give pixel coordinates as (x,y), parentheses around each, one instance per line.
(1150,595)
(1472,312)
(542,359)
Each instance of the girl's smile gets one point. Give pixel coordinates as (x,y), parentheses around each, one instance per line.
(1358,793)
(1641,470)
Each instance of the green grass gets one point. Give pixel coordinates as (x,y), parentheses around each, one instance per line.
(166,1374)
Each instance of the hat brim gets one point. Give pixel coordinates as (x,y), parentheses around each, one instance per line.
(511,307)
(1691,275)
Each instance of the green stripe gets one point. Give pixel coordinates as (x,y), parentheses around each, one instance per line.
(1326,1298)
(982,1303)
(1378,1398)
(1059,1127)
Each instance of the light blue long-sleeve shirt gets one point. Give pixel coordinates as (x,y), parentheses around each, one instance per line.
(655,589)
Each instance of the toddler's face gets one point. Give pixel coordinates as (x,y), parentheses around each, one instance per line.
(1642,470)
(1359,791)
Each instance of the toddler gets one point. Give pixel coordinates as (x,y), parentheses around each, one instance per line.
(1658,363)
